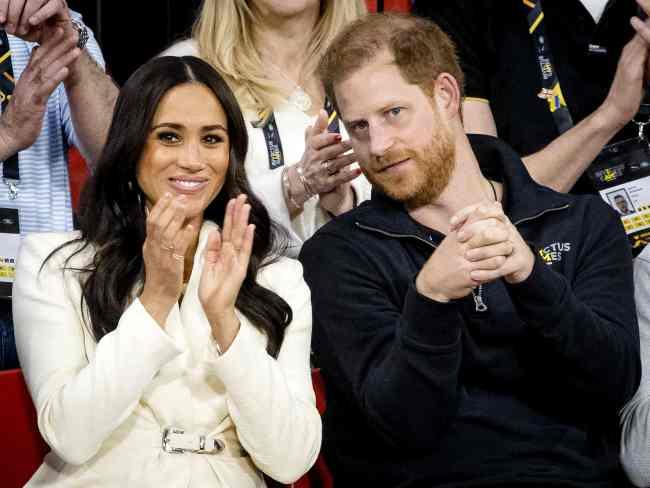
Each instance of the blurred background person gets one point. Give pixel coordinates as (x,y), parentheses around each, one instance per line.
(268,51)
(635,416)
(154,340)
(52,97)
(590,46)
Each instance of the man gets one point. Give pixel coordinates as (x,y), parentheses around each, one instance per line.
(622,205)
(42,118)
(470,333)
(599,62)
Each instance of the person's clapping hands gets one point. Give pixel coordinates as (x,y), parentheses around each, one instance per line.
(22,121)
(168,237)
(226,259)
(326,166)
(36,20)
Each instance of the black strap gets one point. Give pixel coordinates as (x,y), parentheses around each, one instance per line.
(10,165)
(551,89)
(380,5)
(273,143)
(272,135)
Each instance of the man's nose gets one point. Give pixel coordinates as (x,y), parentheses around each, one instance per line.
(380,140)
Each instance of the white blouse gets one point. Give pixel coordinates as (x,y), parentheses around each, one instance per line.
(595,8)
(102,406)
(265,182)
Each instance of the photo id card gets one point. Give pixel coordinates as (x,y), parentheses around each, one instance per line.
(621,174)
(9,245)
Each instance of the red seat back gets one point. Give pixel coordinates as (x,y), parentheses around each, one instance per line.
(319,476)
(21,447)
(390,5)
(78,170)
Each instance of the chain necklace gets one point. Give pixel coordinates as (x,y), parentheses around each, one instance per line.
(299,98)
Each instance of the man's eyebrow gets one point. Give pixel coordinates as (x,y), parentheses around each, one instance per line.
(353,121)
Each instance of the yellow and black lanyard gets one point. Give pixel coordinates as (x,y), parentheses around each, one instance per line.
(551,89)
(10,173)
(272,136)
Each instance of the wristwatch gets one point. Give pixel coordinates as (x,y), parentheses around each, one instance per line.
(82,30)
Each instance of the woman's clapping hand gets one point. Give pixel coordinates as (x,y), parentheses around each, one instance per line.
(168,238)
(226,259)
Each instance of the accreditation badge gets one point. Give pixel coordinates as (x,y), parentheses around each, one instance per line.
(9,245)
(621,174)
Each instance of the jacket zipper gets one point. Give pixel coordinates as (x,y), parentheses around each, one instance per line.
(543,212)
(479,304)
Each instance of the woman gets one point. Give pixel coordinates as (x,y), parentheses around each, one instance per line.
(268,51)
(166,326)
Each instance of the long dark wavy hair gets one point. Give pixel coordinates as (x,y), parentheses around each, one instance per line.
(112,215)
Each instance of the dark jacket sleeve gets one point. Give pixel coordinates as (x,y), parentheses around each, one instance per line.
(395,360)
(588,327)
(464,22)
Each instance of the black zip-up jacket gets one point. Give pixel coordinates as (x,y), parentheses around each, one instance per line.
(526,393)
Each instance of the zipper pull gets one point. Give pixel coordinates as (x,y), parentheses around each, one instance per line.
(479,304)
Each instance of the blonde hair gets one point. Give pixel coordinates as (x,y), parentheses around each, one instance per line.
(224,34)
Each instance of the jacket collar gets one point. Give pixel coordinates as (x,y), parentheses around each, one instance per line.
(523,198)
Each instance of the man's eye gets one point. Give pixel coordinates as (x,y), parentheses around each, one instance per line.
(395,111)
(360,126)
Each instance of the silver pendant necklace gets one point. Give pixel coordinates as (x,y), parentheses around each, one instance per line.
(299,98)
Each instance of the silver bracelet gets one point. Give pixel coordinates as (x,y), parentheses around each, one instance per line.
(286,187)
(303,179)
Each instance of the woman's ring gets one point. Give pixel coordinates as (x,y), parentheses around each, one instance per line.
(178,257)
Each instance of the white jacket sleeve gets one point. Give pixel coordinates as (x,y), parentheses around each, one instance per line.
(635,416)
(80,395)
(272,402)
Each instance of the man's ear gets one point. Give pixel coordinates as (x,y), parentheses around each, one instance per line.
(446,94)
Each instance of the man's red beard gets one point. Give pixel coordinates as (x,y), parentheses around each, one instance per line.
(429,175)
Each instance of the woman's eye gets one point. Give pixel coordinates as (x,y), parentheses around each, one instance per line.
(169,137)
(212,139)
(395,111)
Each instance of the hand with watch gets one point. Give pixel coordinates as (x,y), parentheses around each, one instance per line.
(36,20)
(22,119)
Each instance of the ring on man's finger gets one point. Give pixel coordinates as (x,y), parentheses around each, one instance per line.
(178,257)
(329,167)
(167,247)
